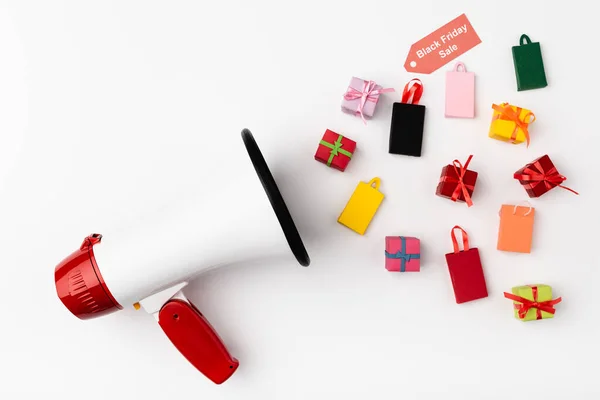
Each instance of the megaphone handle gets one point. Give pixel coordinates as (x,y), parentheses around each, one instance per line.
(196,340)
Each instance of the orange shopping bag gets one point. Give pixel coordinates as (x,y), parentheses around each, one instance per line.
(516,228)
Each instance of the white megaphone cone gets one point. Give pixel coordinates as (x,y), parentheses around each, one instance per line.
(149,264)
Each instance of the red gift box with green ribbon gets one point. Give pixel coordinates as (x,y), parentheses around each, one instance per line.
(335,150)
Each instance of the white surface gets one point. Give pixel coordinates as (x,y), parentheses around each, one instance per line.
(111,109)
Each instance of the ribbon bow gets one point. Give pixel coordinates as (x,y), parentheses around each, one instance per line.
(526,305)
(461,186)
(506,112)
(336,149)
(538,176)
(368,93)
(402,255)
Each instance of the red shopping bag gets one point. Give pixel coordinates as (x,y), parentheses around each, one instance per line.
(466,271)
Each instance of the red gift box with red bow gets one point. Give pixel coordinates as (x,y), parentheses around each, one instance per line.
(457,182)
(540,176)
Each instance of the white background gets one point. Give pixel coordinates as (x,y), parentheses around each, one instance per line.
(108,109)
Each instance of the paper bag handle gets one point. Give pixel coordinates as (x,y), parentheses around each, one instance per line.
(524,202)
(412,94)
(374,183)
(458,65)
(525,38)
(455,242)
(515,208)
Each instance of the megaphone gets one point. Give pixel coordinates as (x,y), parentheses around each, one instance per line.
(148,265)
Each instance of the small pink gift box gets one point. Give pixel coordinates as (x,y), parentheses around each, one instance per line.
(402,254)
(361,97)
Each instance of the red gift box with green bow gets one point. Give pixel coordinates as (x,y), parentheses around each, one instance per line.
(335,150)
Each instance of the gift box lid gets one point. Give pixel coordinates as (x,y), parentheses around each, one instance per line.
(544,161)
(544,292)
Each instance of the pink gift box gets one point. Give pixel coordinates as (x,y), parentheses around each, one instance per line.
(352,106)
(402,254)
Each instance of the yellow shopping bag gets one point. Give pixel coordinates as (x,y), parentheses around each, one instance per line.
(362,206)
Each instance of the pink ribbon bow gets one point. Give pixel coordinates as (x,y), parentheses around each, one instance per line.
(369,93)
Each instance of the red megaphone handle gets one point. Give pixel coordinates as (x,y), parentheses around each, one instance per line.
(196,339)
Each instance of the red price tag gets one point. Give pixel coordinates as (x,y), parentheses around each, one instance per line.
(441,46)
